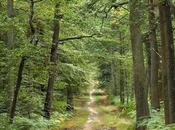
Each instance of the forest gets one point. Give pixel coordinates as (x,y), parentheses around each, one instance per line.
(87,65)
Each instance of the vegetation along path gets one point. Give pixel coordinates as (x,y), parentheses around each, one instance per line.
(53,51)
(97,114)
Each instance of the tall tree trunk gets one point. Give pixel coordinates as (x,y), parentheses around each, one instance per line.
(168,60)
(10,45)
(22,65)
(155,102)
(122,80)
(53,60)
(142,109)
(11,14)
(17,88)
(148,62)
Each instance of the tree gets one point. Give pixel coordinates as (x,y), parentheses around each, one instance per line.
(167,60)
(142,110)
(53,61)
(70,103)
(10,45)
(22,63)
(155,103)
(122,76)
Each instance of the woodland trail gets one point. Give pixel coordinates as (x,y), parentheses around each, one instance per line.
(94,112)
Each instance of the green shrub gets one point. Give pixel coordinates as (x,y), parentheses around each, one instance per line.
(35,123)
(156,121)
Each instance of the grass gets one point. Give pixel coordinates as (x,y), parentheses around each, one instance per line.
(79,118)
(110,118)
(76,122)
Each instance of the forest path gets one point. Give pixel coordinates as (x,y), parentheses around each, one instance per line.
(94,112)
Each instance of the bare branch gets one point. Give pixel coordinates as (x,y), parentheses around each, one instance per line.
(115,6)
(76,38)
(157,53)
(119,4)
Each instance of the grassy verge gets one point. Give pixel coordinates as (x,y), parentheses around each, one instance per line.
(79,118)
(110,116)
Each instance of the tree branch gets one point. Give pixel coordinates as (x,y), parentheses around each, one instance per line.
(119,4)
(115,6)
(76,38)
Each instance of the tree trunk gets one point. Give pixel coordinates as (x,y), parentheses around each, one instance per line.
(10,34)
(148,62)
(155,102)
(21,66)
(168,61)
(10,45)
(142,110)
(113,78)
(122,87)
(70,104)
(122,80)
(17,88)
(53,60)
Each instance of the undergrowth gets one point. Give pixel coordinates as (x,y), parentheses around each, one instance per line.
(155,122)
(34,123)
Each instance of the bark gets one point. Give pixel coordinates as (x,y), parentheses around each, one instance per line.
(142,110)
(21,66)
(31,17)
(122,87)
(128,90)
(122,77)
(53,61)
(10,45)
(70,104)
(10,34)
(17,88)
(113,78)
(155,102)
(168,61)
(148,62)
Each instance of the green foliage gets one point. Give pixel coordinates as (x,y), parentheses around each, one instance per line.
(127,109)
(156,121)
(35,123)
(79,61)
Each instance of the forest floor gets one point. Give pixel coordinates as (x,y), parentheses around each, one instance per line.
(94,112)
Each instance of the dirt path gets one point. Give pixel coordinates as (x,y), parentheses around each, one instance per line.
(94,112)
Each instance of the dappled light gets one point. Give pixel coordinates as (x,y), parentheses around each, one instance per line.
(87,65)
